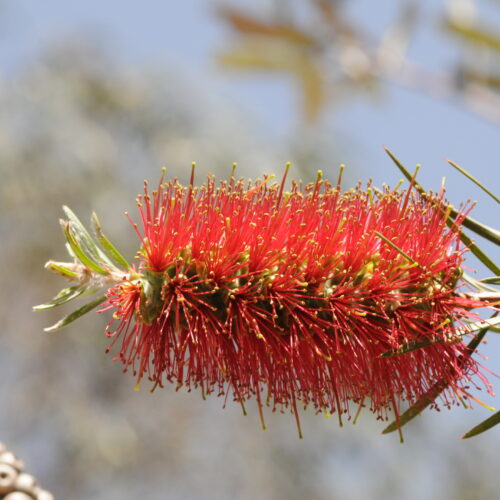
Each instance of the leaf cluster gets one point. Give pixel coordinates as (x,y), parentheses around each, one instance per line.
(96,263)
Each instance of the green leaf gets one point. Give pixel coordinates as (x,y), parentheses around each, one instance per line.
(62,268)
(404,254)
(493,280)
(477,251)
(109,248)
(62,297)
(429,397)
(482,229)
(477,325)
(87,244)
(483,426)
(479,228)
(405,172)
(460,333)
(473,179)
(453,213)
(412,346)
(78,251)
(418,407)
(76,314)
(478,285)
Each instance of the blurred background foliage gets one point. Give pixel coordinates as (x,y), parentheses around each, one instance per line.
(82,124)
(329,57)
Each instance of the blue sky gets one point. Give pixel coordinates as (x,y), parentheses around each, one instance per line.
(187,34)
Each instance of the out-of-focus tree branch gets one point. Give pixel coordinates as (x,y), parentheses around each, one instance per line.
(329,58)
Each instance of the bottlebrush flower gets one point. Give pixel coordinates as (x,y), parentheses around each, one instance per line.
(293,297)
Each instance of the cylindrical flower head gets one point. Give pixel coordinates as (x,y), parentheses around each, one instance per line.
(292,297)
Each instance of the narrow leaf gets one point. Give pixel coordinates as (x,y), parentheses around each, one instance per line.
(62,297)
(109,248)
(62,268)
(479,228)
(413,346)
(453,213)
(418,407)
(78,251)
(87,244)
(493,280)
(477,251)
(478,285)
(459,334)
(405,172)
(477,325)
(429,397)
(76,314)
(482,229)
(473,179)
(483,426)
(399,250)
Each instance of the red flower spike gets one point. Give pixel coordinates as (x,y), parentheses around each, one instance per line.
(292,297)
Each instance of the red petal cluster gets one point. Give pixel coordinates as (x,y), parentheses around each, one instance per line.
(292,297)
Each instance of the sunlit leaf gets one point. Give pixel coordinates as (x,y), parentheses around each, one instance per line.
(453,213)
(479,228)
(482,229)
(474,180)
(483,426)
(493,280)
(62,268)
(78,251)
(76,314)
(87,244)
(109,248)
(479,253)
(479,285)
